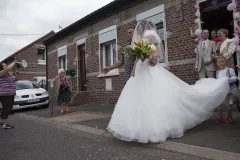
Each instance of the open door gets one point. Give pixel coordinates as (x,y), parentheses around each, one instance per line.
(82,68)
(216,16)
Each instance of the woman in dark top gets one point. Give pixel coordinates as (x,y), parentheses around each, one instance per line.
(62,88)
(7,93)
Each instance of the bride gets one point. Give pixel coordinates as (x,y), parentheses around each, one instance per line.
(155,104)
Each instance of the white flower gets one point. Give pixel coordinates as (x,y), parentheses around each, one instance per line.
(153,48)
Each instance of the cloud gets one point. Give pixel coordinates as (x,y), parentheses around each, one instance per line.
(38,17)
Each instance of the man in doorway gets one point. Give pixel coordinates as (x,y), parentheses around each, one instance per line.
(205,51)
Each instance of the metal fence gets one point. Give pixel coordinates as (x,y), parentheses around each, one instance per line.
(43,84)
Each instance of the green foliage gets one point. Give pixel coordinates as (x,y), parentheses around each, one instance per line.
(141,50)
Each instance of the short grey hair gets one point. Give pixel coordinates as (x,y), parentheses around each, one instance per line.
(61,71)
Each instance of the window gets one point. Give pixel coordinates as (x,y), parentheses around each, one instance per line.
(62,57)
(109,53)
(41,56)
(20,85)
(107,49)
(62,62)
(157,16)
(160,31)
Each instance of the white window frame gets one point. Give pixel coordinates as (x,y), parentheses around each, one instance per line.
(61,57)
(150,13)
(61,62)
(114,72)
(111,53)
(41,61)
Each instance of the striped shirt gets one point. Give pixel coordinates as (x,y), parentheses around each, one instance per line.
(128,66)
(7,85)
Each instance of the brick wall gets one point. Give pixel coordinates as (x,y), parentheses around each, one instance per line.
(71,55)
(179,18)
(185,72)
(33,69)
(28,76)
(52,65)
(92,54)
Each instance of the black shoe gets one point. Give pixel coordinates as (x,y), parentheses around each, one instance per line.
(7,126)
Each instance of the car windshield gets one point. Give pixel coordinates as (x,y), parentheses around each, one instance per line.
(25,85)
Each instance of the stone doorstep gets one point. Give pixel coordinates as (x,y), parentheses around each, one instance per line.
(198,151)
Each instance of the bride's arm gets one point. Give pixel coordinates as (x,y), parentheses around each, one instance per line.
(133,70)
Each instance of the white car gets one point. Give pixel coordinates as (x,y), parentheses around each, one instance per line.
(30,95)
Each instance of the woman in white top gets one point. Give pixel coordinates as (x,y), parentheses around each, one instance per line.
(225,47)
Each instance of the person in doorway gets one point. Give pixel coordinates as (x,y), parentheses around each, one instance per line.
(214,36)
(225,71)
(62,87)
(205,49)
(7,93)
(225,47)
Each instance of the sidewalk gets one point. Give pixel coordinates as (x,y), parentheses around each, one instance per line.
(225,137)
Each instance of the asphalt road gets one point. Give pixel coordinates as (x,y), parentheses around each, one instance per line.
(33,140)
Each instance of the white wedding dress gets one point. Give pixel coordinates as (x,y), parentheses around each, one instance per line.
(156,105)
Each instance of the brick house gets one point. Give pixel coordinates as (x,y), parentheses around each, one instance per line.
(89,44)
(35,56)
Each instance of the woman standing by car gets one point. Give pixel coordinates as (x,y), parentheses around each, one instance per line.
(7,93)
(62,87)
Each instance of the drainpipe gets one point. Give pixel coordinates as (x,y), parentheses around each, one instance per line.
(46,52)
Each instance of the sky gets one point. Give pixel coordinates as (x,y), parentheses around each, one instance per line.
(21,17)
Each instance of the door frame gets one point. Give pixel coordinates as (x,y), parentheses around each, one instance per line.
(79,43)
(81,50)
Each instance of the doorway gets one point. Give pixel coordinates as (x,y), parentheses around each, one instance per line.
(217,16)
(82,68)
(214,15)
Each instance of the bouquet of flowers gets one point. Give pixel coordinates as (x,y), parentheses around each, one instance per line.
(141,50)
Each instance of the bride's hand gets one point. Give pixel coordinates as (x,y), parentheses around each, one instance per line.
(152,61)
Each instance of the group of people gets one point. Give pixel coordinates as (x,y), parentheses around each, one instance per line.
(214,59)
(155,104)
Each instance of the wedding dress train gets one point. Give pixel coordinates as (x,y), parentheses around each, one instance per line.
(156,105)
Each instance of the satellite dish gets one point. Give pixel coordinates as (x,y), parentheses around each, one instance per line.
(24,63)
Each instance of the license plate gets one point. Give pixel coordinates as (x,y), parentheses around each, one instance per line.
(33,100)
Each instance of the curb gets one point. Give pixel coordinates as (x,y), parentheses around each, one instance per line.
(198,151)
